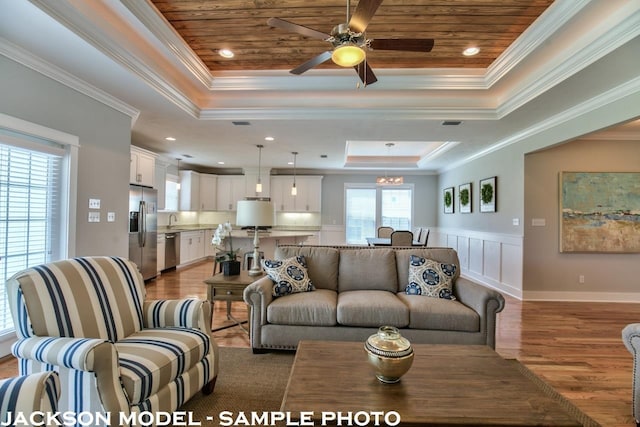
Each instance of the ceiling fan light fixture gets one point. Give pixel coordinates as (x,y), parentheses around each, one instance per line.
(348,55)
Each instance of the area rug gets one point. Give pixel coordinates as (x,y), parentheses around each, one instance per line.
(246,383)
(250,382)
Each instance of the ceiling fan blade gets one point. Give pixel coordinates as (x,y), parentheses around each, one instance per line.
(409,45)
(363,14)
(316,60)
(295,28)
(365,73)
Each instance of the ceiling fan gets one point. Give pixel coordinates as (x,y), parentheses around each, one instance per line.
(349,41)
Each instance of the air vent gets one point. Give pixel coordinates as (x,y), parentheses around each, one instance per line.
(323,156)
(451,123)
(241,123)
(187,156)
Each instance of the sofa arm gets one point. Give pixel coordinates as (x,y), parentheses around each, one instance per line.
(258,296)
(484,301)
(183,313)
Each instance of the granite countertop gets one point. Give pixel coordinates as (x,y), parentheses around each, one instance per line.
(275,231)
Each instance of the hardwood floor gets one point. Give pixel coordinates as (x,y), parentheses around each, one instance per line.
(575,347)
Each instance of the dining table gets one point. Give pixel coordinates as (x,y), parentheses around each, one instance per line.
(386,241)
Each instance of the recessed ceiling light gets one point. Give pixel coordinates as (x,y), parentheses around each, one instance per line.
(470,51)
(221,163)
(269,138)
(170,138)
(290,163)
(226,53)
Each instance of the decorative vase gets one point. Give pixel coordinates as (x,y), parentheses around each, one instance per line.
(231,268)
(389,353)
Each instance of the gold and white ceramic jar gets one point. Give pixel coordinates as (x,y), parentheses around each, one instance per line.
(389,353)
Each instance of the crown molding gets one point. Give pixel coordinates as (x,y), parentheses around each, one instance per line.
(606,98)
(66,14)
(556,16)
(153,20)
(23,57)
(612,34)
(311,113)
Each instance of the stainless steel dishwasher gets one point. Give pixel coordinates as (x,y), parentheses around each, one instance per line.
(171,250)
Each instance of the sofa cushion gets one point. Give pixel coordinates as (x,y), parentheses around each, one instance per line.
(430,278)
(317,308)
(439,314)
(367,269)
(444,255)
(289,275)
(371,309)
(152,358)
(322,263)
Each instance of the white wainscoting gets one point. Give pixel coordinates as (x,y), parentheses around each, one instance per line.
(492,259)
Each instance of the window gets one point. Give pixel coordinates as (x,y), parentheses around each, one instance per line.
(37,203)
(368,207)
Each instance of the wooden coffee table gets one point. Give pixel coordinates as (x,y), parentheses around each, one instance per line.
(447,385)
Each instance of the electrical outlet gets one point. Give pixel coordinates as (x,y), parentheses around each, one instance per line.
(581,278)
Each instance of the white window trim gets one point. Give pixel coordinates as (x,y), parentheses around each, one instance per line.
(68,195)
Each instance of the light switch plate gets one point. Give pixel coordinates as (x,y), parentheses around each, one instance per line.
(94,216)
(111,216)
(515,221)
(94,203)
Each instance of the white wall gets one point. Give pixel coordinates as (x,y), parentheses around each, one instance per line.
(103,157)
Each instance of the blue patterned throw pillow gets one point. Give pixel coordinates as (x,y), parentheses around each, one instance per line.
(289,275)
(430,278)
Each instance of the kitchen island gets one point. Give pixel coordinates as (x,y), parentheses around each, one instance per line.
(196,240)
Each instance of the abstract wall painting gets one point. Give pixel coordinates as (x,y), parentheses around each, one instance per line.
(600,212)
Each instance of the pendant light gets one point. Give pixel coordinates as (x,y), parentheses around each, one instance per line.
(389,180)
(294,190)
(259,183)
(178,186)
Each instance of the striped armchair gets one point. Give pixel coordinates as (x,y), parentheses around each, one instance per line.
(28,395)
(86,318)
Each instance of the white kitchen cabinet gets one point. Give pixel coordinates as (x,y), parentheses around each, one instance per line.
(308,198)
(160,247)
(281,193)
(209,249)
(189,191)
(142,168)
(231,188)
(161,184)
(191,246)
(208,192)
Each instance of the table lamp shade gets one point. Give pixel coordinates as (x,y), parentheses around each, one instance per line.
(254,213)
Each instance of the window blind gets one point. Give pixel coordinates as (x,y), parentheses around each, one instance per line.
(30,184)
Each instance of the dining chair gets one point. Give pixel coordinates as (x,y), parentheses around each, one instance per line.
(402,238)
(416,233)
(385,232)
(424,236)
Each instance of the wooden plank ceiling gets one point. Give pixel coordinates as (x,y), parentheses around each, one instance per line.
(241,25)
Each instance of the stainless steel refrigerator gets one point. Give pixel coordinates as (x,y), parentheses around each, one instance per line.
(143,229)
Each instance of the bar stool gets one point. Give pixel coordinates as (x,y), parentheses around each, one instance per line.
(248,259)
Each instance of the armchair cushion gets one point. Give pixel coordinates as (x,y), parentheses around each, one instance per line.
(152,358)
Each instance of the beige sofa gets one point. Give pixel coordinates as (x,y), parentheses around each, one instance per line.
(357,290)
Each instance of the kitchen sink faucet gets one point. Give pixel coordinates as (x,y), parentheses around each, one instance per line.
(174,217)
